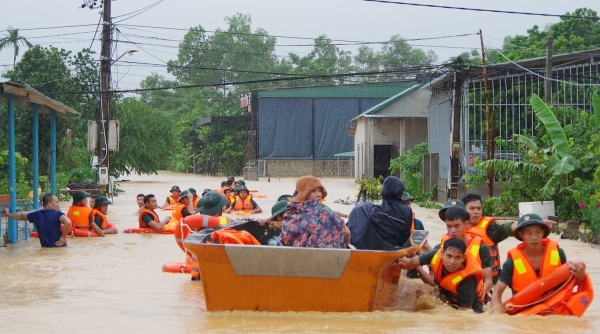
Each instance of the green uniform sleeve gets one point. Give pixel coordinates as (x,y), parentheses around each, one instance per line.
(147,219)
(507,272)
(484,255)
(500,232)
(425,259)
(466,292)
(562,255)
(98,221)
(419,225)
(254,204)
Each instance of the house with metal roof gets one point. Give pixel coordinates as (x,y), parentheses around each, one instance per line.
(388,129)
(299,131)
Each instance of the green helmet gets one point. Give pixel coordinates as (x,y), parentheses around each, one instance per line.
(530,219)
(101,200)
(80,195)
(449,204)
(279,208)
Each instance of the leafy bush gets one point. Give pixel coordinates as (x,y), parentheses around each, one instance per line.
(371,187)
(21,166)
(410,167)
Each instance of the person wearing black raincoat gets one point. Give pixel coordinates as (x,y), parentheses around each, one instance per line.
(385,226)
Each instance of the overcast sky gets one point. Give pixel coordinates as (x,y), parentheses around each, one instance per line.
(338,19)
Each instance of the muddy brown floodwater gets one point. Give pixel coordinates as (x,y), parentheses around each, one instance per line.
(115,284)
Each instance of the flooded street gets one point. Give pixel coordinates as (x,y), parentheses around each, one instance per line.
(115,284)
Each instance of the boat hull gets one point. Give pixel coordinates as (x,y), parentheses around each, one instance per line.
(279,279)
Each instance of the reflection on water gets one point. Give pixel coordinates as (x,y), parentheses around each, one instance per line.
(115,284)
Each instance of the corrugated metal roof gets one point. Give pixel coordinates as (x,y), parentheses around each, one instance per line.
(373,110)
(373,90)
(25,96)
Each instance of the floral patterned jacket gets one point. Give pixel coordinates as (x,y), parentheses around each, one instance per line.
(312,224)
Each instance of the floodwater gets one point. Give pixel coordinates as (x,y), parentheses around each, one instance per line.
(115,284)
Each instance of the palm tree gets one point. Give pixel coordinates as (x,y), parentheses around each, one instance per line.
(13,39)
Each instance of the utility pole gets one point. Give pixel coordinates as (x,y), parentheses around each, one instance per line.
(489,140)
(548,81)
(105,97)
(455,149)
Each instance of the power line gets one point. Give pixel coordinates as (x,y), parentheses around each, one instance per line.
(96,32)
(55,27)
(311,44)
(406,70)
(139,11)
(481,9)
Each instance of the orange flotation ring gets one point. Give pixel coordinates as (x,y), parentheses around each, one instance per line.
(193,223)
(176,267)
(81,232)
(89,233)
(259,195)
(232,236)
(146,230)
(553,295)
(253,191)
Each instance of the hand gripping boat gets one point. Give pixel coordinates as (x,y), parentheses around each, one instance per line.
(279,279)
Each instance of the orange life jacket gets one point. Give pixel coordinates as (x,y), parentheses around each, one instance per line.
(195,201)
(481,229)
(145,211)
(79,215)
(177,211)
(524,273)
(231,236)
(243,204)
(97,213)
(172,200)
(450,282)
(473,246)
(222,191)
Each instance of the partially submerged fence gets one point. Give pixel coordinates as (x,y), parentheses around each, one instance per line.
(510,86)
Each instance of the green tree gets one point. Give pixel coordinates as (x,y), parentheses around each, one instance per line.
(569,35)
(55,73)
(145,141)
(14,40)
(398,54)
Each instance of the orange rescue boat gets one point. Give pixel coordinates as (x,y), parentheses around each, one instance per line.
(280,279)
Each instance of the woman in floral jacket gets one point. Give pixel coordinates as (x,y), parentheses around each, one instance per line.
(310,223)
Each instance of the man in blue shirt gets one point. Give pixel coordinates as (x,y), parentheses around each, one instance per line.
(47,222)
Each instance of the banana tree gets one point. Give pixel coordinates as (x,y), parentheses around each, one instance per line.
(543,172)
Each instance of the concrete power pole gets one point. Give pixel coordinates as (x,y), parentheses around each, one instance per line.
(548,80)
(105,97)
(455,149)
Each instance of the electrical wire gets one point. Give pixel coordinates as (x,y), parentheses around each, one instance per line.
(55,27)
(95,33)
(235,83)
(497,11)
(311,44)
(534,73)
(141,11)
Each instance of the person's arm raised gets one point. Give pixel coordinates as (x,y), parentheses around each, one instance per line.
(18,216)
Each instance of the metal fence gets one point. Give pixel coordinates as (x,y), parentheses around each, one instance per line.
(24,228)
(509,91)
